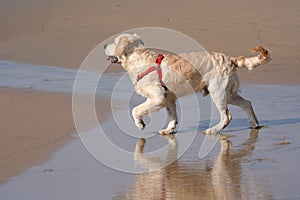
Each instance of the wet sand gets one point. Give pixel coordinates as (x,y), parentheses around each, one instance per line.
(246,165)
(33,125)
(36,114)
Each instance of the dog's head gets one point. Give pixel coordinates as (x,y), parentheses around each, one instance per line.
(123,45)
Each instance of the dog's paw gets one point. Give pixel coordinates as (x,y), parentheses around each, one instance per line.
(140,124)
(207,131)
(170,129)
(211,131)
(166,131)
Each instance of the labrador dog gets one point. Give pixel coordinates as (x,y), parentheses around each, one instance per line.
(161,79)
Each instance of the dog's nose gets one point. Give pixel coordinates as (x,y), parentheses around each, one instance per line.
(105,46)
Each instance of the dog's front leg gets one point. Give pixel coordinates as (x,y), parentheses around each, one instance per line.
(150,105)
(172,114)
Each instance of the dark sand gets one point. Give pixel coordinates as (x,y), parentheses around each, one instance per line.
(259,165)
(33,124)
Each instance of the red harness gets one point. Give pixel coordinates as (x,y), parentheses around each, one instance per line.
(160,57)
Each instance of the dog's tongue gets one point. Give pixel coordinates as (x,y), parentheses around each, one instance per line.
(112,59)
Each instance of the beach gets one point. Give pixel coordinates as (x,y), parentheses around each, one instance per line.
(36,114)
(248,164)
(33,125)
(44,42)
(63,33)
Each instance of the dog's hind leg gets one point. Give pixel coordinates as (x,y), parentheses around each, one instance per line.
(172,114)
(246,105)
(219,98)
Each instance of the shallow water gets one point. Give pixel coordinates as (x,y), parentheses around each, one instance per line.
(246,165)
(49,78)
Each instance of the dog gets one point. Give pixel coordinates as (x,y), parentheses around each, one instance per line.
(161,79)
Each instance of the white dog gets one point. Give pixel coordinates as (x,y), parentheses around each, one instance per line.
(163,78)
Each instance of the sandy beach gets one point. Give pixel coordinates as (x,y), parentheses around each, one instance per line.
(33,124)
(62,33)
(36,108)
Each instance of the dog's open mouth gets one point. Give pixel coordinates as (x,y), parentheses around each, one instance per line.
(113,59)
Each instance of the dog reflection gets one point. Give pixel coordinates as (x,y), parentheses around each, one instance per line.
(221,180)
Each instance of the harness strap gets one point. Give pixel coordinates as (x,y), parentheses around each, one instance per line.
(159,59)
(140,76)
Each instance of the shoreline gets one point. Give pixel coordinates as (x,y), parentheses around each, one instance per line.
(260,75)
(36,124)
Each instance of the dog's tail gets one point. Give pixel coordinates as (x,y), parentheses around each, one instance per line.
(263,57)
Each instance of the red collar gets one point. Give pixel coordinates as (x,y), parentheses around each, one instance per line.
(159,59)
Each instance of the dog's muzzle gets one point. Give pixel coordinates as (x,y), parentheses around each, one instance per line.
(113,59)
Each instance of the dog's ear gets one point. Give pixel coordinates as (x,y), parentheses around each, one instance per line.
(122,46)
(136,35)
(139,39)
(126,45)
